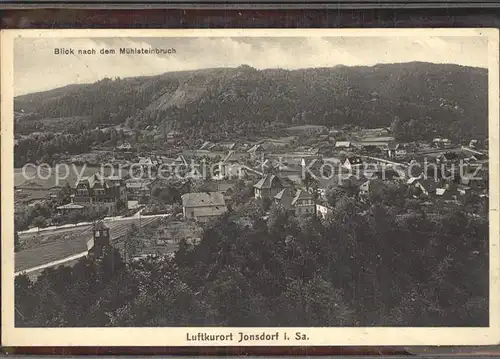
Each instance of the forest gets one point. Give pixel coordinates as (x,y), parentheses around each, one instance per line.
(372,263)
(442,99)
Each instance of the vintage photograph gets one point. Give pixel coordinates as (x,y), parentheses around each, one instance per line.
(320,179)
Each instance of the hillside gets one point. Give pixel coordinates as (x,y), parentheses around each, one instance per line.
(441,99)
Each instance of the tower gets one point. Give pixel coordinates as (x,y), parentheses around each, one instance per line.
(101,238)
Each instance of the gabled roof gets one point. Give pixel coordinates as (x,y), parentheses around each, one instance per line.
(301,195)
(233,156)
(203,199)
(92,180)
(429,184)
(207,145)
(282,193)
(269,181)
(256,148)
(180,160)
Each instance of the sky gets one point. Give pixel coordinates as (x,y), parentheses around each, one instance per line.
(37,68)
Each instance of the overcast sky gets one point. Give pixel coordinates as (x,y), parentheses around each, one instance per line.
(36,68)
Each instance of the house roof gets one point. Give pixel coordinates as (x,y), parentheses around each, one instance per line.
(228,145)
(207,145)
(233,156)
(307,127)
(343,144)
(70,206)
(255,148)
(269,180)
(282,193)
(378,139)
(203,199)
(91,180)
(365,186)
(138,184)
(301,195)
(224,187)
(428,184)
(412,180)
(354,160)
(440,191)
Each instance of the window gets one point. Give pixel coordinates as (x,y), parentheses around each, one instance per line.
(97,233)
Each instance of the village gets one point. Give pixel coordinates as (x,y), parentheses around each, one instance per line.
(161,197)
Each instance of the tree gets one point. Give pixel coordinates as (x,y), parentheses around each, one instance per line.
(39,221)
(398,129)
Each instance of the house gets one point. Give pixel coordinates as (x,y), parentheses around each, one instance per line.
(343,145)
(97,189)
(173,136)
(180,161)
(371,149)
(138,190)
(207,145)
(473,143)
(227,190)
(148,163)
(203,206)
(441,143)
(307,130)
(377,132)
(447,193)
(353,162)
(474,183)
(369,186)
(303,203)
(70,208)
(323,211)
(231,166)
(381,142)
(228,145)
(125,146)
(395,150)
(284,198)
(426,187)
(269,186)
(448,157)
(256,151)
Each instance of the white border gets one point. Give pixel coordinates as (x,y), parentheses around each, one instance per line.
(12,336)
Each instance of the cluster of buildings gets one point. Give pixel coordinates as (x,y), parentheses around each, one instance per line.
(275,166)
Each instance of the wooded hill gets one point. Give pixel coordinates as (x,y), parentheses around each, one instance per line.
(447,100)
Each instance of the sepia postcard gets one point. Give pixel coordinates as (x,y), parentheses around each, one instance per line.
(232,187)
